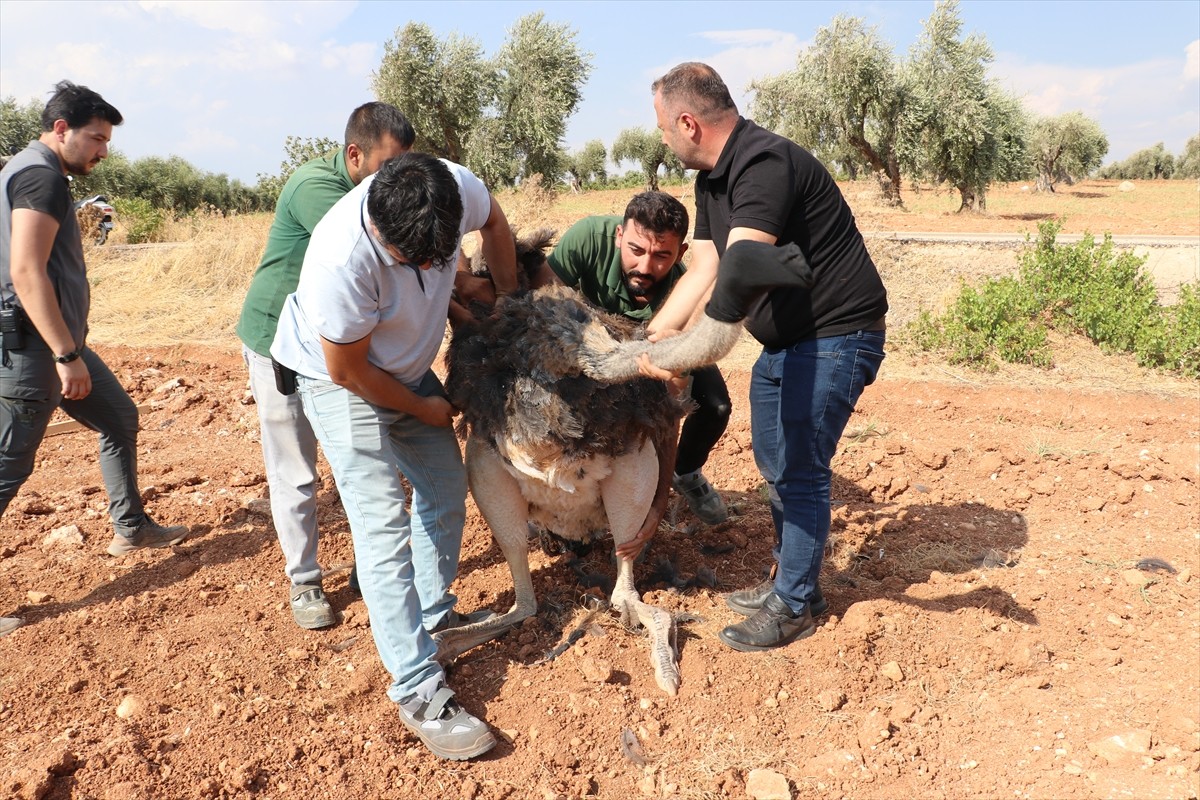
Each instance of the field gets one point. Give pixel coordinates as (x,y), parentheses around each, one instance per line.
(1015,607)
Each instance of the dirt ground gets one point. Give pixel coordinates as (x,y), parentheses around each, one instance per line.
(1013,586)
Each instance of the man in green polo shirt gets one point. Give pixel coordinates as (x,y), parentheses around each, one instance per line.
(628,265)
(375,133)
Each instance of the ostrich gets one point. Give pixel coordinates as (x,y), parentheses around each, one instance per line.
(549,445)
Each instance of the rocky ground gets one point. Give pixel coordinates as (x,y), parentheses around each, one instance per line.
(1013,586)
(1013,597)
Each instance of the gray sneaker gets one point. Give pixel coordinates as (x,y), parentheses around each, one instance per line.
(445,728)
(148,534)
(8,625)
(704,501)
(310,607)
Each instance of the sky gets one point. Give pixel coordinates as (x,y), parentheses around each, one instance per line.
(223,83)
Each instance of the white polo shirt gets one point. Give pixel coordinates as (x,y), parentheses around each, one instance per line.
(350,286)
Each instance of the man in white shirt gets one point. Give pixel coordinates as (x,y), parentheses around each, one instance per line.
(361,332)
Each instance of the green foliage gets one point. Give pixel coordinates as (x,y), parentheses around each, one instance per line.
(504,118)
(298,151)
(1065,148)
(1085,288)
(844,101)
(19,124)
(588,167)
(1147,164)
(960,127)
(541,71)
(441,86)
(647,149)
(1188,164)
(141,220)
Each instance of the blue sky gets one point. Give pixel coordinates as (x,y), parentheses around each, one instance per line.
(222,84)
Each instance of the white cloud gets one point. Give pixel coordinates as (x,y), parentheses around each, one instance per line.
(1135,104)
(746,55)
(1191,65)
(254,18)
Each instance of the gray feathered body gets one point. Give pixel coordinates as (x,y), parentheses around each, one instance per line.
(516,375)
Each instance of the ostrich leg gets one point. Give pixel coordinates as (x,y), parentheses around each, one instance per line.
(507,513)
(627,494)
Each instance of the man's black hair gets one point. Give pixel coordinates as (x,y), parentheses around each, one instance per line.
(658,213)
(372,121)
(415,204)
(78,105)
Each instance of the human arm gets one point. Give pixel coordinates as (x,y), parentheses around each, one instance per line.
(33,235)
(499,250)
(349,368)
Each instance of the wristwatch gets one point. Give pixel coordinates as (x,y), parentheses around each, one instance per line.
(68,358)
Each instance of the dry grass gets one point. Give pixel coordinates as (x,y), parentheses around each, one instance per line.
(192,291)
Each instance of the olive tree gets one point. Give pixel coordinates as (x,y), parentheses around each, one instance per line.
(298,151)
(844,101)
(19,124)
(647,149)
(441,86)
(1188,164)
(1146,164)
(588,166)
(540,71)
(1065,148)
(960,127)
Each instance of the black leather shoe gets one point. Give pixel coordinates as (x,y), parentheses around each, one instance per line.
(773,625)
(747,602)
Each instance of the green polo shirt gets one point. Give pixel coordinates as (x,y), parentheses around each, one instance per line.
(587,258)
(308,194)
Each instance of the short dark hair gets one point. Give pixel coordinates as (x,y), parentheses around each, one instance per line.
(370,122)
(78,105)
(697,85)
(415,204)
(658,213)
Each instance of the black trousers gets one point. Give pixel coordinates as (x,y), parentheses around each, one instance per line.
(704,426)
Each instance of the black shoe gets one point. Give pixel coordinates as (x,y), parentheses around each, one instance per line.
(773,625)
(747,602)
(353,582)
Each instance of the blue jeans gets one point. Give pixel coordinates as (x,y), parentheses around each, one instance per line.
(406,563)
(801,398)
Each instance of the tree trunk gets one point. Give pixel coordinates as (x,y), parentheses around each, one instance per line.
(652,180)
(887,173)
(975,203)
(1045,183)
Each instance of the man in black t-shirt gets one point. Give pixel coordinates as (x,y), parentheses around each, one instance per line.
(822,336)
(44,297)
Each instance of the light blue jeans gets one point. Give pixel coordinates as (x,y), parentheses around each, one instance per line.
(406,563)
(290,456)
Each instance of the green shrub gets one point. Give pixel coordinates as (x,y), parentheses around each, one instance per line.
(141,220)
(1084,288)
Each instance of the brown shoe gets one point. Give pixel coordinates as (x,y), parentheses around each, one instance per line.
(148,534)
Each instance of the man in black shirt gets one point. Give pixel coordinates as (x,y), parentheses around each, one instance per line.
(44,296)
(822,336)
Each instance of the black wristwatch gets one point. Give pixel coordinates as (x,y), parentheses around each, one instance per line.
(68,358)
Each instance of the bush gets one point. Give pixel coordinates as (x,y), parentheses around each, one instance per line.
(140,219)
(1083,288)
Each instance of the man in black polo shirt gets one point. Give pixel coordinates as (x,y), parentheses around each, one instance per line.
(821,345)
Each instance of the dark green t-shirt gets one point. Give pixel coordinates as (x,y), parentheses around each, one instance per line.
(308,194)
(587,258)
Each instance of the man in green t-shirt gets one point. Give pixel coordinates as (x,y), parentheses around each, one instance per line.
(375,133)
(627,265)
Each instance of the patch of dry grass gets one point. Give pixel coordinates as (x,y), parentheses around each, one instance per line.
(188,291)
